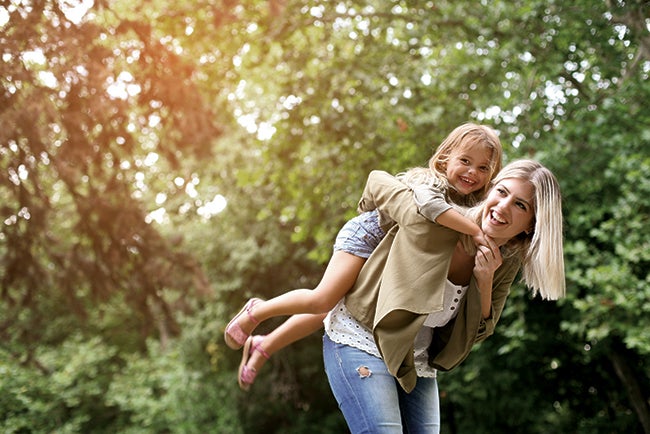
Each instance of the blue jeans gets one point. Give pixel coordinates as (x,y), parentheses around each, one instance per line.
(372,401)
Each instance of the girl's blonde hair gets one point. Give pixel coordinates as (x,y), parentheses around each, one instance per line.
(541,250)
(462,137)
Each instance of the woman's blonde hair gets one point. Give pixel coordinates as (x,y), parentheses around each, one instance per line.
(541,250)
(462,137)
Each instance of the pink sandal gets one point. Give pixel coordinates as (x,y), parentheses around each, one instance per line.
(246,376)
(234,335)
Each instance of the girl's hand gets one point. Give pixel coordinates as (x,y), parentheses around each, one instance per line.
(479,239)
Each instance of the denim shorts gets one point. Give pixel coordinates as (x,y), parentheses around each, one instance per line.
(360,235)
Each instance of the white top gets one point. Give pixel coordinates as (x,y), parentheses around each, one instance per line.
(341,327)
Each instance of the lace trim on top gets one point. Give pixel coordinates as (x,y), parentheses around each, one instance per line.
(341,327)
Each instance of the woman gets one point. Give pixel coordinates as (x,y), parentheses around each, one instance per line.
(459,172)
(410,313)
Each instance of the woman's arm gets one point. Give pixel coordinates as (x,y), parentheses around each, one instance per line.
(487,260)
(453,342)
(502,281)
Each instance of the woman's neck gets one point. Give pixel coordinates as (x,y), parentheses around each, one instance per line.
(461,267)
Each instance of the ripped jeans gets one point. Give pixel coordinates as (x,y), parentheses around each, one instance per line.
(371,399)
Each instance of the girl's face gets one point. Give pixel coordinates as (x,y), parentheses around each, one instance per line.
(508,210)
(468,169)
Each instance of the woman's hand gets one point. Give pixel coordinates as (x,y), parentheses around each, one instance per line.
(488,258)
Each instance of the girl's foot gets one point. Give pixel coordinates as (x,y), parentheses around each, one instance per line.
(246,375)
(234,335)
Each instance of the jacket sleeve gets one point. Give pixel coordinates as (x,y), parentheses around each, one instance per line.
(500,290)
(391,197)
(453,342)
(430,200)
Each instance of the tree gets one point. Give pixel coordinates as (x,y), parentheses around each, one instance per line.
(593,134)
(80,128)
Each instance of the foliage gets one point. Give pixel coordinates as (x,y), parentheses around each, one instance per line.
(75,143)
(539,376)
(86,386)
(122,127)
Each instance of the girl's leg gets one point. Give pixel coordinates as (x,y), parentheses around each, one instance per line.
(290,331)
(421,408)
(340,275)
(366,393)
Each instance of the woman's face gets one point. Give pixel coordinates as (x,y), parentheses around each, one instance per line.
(508,209)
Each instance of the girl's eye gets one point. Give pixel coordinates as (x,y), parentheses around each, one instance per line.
(464,160)
(501,191)
(484,169)
(522,206)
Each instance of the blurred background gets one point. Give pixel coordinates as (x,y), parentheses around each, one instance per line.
(163,161)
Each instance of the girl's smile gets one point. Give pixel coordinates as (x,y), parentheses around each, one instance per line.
(468,171)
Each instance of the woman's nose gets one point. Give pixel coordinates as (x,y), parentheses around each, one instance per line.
(503,204)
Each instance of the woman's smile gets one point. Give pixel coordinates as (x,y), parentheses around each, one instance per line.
(509,210)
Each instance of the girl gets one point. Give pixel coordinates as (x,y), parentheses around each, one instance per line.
(459,171)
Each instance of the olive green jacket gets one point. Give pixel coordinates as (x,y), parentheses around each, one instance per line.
(403,281)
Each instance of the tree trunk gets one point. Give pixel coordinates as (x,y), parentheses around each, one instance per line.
(627,377)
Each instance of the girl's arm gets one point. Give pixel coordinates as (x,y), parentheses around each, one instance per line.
(432,204)
(458,222)
(391,197)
